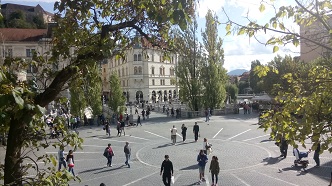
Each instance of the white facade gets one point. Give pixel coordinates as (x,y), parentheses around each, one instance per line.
(145,74)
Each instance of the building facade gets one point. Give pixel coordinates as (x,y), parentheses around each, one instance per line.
(318,33)
(146,75)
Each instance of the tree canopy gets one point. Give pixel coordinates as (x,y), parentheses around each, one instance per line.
(85,32)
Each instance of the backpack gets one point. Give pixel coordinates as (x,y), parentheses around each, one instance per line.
(105,152)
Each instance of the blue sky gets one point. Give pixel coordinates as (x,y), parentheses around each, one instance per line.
(239,50)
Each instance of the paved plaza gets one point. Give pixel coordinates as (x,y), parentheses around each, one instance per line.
(246,155)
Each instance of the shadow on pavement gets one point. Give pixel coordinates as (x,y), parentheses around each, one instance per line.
(272,160)
(184,143)
(108,170)
(196,183)
(191,167)
(162,146)
(91,170)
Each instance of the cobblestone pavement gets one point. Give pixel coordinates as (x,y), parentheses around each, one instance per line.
(247,157)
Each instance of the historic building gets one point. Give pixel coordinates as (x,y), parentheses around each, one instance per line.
(29,11)
(318,33)
(146,74)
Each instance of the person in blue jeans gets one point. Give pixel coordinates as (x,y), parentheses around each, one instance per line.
(127,151)
(61,157)
(202,159)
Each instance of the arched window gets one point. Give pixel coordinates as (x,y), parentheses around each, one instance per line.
(135,57)
(139,57)
(140,70)
(135,71)
(152,70)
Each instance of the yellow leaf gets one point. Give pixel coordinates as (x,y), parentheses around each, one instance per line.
(275,49)
(228,27)
(261,8)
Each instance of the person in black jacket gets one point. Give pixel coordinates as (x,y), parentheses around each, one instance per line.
(167,171)
(184,132)
(196,131)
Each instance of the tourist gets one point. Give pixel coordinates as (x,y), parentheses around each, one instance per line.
(184,132)
(196,131)
(61,157)
(214,169)
(202,159)
(173,134)
(167,171)
(70,161)
(127,151)
(108,153)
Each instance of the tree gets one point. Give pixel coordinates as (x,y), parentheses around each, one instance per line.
(308,93)
(253,77)
(189,67)
(77,98)
(94,89)
(97,30)
(232,91)
(116,98)
(214,75)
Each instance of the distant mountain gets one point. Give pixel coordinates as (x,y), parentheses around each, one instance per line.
(237,72)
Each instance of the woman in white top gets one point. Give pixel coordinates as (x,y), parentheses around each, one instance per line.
(173,134)
(206,146)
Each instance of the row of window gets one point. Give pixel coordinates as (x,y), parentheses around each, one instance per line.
(162,82)
(138,57)
(8,52)
(125,83)
(139,71)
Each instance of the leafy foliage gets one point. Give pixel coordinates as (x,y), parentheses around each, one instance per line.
(116,99)
(213,73)
(232,91)
(86,32)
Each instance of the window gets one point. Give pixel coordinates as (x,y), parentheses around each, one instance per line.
(127,82)
(123,72)
(32,69)
(119,73)
(123,83)
(135,57)
(161,59)
(152,70)
(139,57)
(104,70)
(162,82)
(135,71)
(139,70)
(153,82)
(8,52)
(29,52)
(118,61)
(172,60)
(126,71)
(171,71)
(161,71)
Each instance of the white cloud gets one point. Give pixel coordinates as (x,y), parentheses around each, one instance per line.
(214,5)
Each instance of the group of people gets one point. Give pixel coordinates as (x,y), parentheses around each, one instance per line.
(109,153)
(184,133)
(69,160)
(167,171)
(172,111)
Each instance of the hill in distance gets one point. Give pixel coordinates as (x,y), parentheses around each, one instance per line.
(237,72)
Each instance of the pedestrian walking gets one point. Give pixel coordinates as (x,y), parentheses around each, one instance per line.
(196,131)
(206,146)
(202,159)
(316,155)
(127,151)
(139,120)
(283,147)
(207,115)
(184,132)
(136,110)
(123,128)
(61,157)
(108,128)
(70,161)
(108,153)
(143,114)
(118,128)
(173,134)
(214,169)
(167,171)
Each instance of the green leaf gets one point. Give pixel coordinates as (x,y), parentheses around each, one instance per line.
(18,100)
(275,49)
(228,27)
(261,8)
(241,31)
(274,24)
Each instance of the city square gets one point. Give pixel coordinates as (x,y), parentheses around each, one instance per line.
(246,155)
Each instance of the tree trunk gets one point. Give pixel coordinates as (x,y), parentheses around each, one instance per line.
(12,173)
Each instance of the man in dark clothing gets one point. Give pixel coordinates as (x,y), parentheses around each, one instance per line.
(196,131)
(167,171)
(283,147)
(316,155)
(127,151)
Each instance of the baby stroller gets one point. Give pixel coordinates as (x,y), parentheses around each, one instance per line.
(298,158)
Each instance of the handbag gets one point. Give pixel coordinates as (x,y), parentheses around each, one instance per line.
(70,162)
(172,179)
